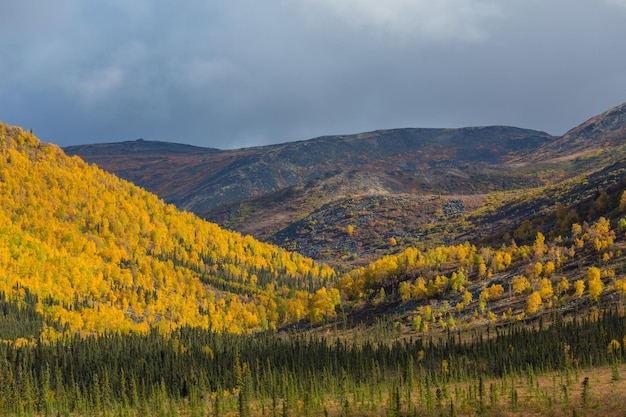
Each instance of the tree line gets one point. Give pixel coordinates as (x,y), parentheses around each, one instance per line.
(196,371)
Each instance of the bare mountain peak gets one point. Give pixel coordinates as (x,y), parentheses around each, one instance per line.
(606,123)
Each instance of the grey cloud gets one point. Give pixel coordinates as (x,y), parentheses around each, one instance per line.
(410,20)
(240,73)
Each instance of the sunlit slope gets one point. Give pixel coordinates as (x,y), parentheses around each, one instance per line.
(99,253)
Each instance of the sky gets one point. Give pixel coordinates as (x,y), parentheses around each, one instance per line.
(237,73)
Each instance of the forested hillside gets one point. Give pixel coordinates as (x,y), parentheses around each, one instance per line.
(113,303)
(83,251)
(580,267)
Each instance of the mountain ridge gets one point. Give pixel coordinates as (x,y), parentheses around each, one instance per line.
(248,172)
(290,194)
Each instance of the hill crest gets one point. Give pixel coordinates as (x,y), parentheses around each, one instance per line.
(201,181)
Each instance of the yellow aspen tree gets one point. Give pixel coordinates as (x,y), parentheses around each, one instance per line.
(419,290)
(577,235)
(417,324)
(520,284)
(579,287)
(613,347)
(427,312)
(441,283)
(482,302)
(494,291)
(548,268)
(539,247)
(594,282)
(405,290)
(533,302)
(602,231)
(562,286)
(546,292)
(482,270)
(457,281)
(507,258)
(467,297)
(620,286)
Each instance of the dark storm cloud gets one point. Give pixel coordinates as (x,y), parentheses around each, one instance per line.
(238,73)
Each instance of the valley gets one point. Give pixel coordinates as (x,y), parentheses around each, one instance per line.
(473,271)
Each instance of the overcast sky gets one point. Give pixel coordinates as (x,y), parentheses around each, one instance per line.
(236,73)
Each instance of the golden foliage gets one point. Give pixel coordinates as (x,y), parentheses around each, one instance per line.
(533,302)
(492,292)
(102,254)
(579,287)
(546,292)
(594,282)
(520,284)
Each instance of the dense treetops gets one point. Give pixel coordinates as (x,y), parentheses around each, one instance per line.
(101,254)
(98,254)
(462,284)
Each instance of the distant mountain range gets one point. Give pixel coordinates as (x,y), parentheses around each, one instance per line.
(347,199)
(201,179)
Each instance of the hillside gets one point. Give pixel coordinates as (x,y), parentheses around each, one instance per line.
(421,187)
(263,191)
(220,177)
(84,251)
(601,132)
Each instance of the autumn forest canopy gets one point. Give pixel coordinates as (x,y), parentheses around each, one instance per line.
(108,295)
(99,254)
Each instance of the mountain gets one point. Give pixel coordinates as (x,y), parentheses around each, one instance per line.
(263,190)
(603,131)
(414,187)
(88,252)
(220,177)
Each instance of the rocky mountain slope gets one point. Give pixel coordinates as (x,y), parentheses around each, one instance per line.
(348,199)
(200,180)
